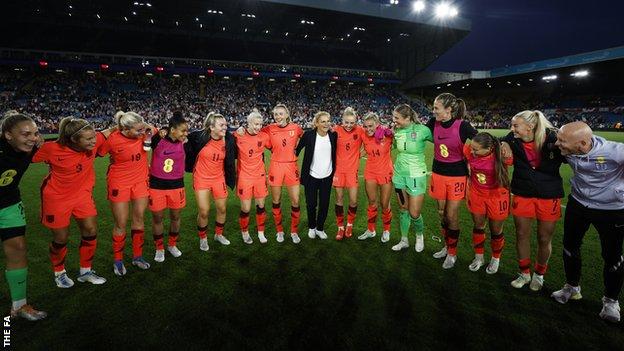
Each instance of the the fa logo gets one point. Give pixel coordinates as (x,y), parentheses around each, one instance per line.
(601,163)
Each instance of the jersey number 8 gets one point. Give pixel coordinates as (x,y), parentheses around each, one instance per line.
(168,165)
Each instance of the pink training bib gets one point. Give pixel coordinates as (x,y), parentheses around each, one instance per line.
(168,160)
(447,143)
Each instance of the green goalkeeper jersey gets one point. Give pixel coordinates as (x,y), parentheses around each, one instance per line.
(410,144)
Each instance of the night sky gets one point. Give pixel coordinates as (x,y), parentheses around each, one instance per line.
(509,32)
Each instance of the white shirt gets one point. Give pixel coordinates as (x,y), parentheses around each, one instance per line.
(321,161)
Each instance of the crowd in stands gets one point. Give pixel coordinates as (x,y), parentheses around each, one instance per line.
(496,112)
(96,97)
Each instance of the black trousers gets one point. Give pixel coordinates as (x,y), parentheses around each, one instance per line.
(610,227)
(317,192)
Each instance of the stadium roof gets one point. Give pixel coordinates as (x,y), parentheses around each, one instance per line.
(607,62)
(566,61)
(596,78)
(348,33)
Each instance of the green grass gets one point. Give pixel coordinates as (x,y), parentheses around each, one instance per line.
(350,294)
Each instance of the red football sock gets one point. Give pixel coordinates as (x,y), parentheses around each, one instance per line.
(158,242)
(541,268)
(243,221)
(173,239)
(119,242)
(294,219)
(57,256)
(260,218)
(371,213)
(201,232)
(219,228)
(277,217)
(525,265)
(452,236)
(137,242)
(339,216)
(87,251)
(351,215)
(386,216)
(478,240)
(497,244)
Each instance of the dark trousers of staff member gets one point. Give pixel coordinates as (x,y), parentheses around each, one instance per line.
(317,173)
(317,192)
(610,227)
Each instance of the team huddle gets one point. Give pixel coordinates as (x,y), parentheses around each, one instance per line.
(467,164)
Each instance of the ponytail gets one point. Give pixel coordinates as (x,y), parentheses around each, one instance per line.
(210,120)
(540,125)
(406,111)
(125,120)
(488,141)
(457,106)
(70,129)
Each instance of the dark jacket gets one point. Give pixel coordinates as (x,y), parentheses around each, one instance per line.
(544,182)
(307,141)
(198,139)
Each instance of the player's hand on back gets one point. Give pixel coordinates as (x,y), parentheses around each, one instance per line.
(506,150)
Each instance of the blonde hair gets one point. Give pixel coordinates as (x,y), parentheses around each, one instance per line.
(349,111)
(125,120)
(458,106)
(318,115)
(211,119)
(373,116)
(285,109)
(70,129)
(406,111)
(255,114)
(540,125)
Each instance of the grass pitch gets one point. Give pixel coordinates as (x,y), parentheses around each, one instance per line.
(348,295)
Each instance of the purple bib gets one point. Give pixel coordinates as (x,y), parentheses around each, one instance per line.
(447,143)
(168,160)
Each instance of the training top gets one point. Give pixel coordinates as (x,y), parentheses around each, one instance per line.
(598,180)
(461,131)
(167,166)
(483,170)
(13,164)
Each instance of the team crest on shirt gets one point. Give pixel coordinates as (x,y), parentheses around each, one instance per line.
(260,144)
(6,177)
(601,163)
(481,178)
(414,135)
(355,136)
(291,133)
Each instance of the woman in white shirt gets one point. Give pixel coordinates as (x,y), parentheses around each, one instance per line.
(317,171)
